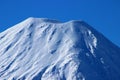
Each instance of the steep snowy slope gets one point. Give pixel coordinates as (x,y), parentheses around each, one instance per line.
(44,49)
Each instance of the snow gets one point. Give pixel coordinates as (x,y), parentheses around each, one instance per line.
(102,61)
(45,49)
(91,41)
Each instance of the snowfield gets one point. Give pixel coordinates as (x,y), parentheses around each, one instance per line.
(45,49)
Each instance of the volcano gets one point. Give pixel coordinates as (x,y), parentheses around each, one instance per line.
(45,49)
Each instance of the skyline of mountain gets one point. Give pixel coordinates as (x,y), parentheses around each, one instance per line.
(103,15)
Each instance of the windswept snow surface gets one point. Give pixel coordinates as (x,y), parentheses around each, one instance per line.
(44,49)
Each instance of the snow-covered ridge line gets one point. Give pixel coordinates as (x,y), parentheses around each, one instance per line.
(45,49)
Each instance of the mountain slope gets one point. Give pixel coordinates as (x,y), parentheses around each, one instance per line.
(44,49)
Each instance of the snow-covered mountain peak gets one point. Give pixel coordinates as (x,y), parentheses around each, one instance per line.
(45,49)
(47,20)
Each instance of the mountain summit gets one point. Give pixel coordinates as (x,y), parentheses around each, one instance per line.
(44,49)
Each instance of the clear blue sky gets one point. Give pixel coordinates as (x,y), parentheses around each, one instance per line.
(103,15)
